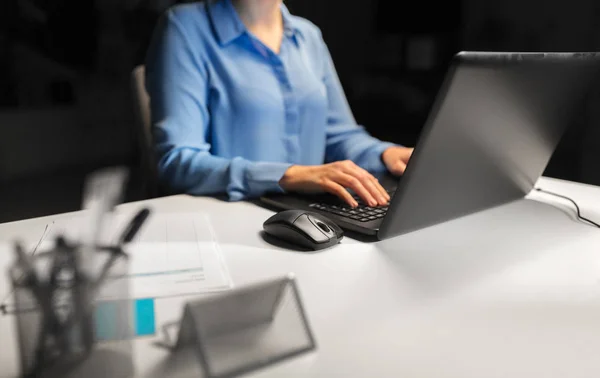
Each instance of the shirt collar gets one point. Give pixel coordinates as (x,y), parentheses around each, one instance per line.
(229,26)
(290,25)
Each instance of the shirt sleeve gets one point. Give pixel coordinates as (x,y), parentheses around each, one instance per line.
(176,80)
(346,139)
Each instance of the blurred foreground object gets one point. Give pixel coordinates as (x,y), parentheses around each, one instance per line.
(56,292)
(246,329)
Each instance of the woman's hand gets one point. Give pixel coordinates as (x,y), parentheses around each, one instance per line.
(396,158)
(334,178)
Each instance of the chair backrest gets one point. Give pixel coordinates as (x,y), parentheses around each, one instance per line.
(144,132)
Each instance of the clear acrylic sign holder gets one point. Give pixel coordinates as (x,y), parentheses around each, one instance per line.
(247,329)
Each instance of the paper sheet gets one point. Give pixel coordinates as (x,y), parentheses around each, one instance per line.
(173,254)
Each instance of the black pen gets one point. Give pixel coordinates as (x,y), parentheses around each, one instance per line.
(134,226)
(130,231)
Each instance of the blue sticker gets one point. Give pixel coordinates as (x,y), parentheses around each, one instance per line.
(144,317)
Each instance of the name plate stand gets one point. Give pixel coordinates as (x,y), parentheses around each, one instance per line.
(247,329)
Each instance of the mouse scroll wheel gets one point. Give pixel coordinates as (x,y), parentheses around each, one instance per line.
(323,226)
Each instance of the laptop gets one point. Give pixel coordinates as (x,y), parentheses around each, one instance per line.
(494,125)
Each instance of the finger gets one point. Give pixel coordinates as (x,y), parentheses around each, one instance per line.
(398,168)
(370,183)
(380,188)
(375,189)
(354,183)
(338,190)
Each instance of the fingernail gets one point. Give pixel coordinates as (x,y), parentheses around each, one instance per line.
(354,204)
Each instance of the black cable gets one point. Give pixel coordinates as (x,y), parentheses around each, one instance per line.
(579,216)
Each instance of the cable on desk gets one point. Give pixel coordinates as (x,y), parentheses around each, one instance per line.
(579,216)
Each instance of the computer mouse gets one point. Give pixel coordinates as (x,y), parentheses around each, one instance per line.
(304,228)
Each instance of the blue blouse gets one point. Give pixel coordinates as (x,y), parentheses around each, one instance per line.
(229,115)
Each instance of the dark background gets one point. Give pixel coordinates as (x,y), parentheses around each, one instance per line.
(65,105)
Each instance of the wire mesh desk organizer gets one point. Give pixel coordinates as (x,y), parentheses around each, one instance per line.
(55,293)
(246,329)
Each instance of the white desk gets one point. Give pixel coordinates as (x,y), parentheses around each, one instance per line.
(510,292)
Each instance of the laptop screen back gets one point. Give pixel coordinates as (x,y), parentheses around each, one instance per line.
(490,134)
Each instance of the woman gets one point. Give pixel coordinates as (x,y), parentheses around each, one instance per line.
(245,100)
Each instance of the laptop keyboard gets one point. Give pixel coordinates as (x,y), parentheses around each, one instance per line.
(362,213)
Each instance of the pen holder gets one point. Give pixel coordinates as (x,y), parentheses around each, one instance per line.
(57,321)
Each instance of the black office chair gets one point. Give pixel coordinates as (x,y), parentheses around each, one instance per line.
(144,133)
